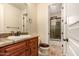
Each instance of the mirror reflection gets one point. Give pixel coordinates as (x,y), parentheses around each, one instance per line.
(15,17)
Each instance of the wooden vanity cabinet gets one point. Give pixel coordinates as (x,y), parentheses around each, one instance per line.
(23,48)
(33,46)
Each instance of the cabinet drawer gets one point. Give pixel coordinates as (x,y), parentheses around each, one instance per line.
(17,46)
(19,53)
(12,48)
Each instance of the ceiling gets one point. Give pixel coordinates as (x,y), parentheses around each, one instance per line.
(19,5)
(55,8)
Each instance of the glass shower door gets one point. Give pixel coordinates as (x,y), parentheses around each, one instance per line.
(55,28)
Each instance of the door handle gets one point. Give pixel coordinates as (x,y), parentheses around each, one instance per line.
(66,40)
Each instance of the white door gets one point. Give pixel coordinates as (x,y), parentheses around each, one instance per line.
(71,29)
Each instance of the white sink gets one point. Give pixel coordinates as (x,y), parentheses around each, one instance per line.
(18,37)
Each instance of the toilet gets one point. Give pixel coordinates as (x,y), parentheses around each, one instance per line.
(43,49)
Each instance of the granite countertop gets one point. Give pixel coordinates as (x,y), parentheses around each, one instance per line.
(5,41)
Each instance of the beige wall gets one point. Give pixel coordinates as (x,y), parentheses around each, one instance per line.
(42,21)
(39,15)
(32,14)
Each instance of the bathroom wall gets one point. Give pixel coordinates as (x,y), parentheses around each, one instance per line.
(32,14)
(42,22)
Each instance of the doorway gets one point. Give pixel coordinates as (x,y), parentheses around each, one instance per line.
(55,29)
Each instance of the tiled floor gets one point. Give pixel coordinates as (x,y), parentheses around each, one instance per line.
(55,49)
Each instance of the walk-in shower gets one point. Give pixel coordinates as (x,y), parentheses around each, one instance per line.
(55,21)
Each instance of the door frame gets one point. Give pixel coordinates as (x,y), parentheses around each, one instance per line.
(64,28)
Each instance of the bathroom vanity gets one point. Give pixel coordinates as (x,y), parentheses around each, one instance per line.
(25,47)
(14,21)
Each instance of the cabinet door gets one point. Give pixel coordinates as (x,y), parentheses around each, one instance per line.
(27,52)
(33,42)
(34,51)
(33,46)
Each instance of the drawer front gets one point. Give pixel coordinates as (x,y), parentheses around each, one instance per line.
(33,42)
(19,53)
(15,47)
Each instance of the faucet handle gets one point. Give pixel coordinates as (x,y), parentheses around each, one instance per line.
(12,33)
(18,33)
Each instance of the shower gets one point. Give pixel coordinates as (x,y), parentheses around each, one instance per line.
(55,28)
(55,21)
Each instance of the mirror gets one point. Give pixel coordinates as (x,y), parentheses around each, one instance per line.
(13,17)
